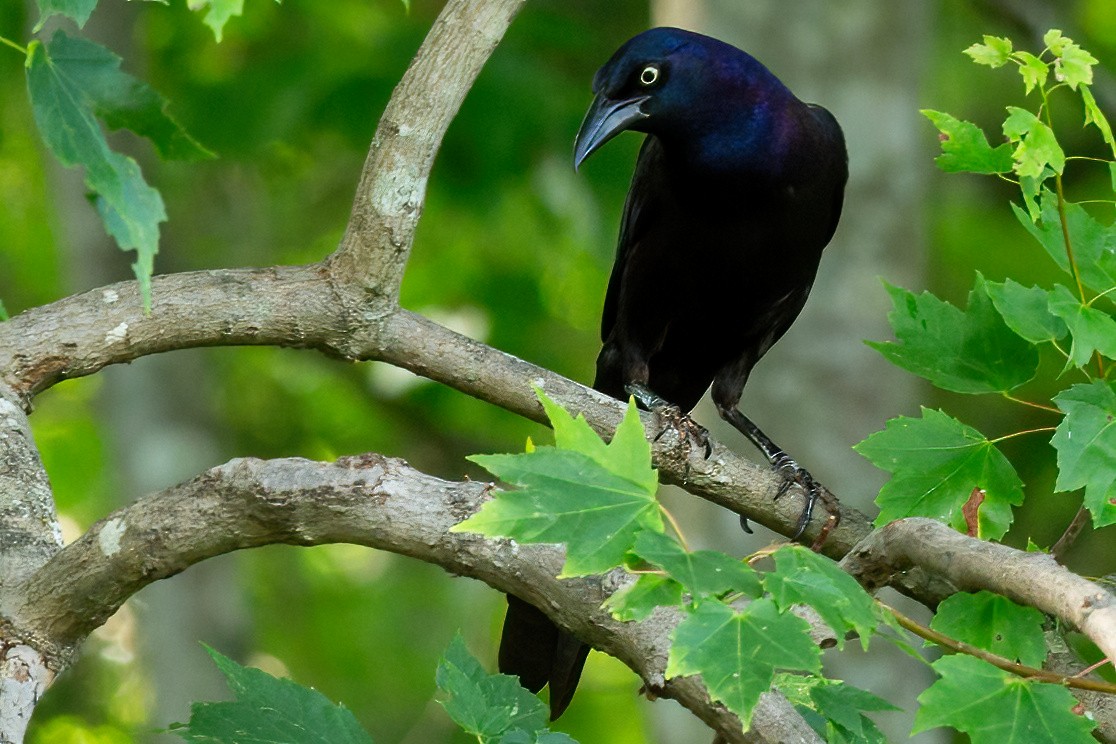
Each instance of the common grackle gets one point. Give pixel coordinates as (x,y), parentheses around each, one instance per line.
(737,189)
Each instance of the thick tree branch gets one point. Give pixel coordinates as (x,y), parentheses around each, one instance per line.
(1033,579)
(29,531)
(392,188)
(370,500)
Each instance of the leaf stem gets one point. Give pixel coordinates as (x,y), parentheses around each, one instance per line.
(1039,430)
(13,45)
(1032,404)
(995,660)
(674,526)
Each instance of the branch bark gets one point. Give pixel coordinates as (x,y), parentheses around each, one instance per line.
(368,500)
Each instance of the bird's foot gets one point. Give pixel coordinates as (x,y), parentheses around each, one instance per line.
(796,475)
(673,419)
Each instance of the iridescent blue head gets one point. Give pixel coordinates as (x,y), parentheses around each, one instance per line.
(704,94)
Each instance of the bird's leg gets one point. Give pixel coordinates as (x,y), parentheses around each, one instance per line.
(792,472)
(672,416)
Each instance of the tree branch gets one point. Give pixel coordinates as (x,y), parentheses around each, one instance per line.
(368,500)
(1033,579)
(389,199)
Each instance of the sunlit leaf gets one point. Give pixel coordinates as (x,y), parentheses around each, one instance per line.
(1033,70)
(994,52)
(595,498)
(965,147)
(1036,146)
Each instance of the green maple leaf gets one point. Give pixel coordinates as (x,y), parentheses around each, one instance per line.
(738,653)
(1091,329)
(219,12)
(995,707)
(801,576)
(936,462)
(1036,146)
(702,573)
(965,351)
(995,624)
(994,52)
(1096,117)
(593,497)
(485,705)
(76,10)
(1033,70)
(965,148)
(66,117)
(839,704)
(1026,310)
(1094,244)
(639,600)
(1086,444)
(269,711)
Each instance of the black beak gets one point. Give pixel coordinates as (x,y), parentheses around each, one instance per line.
(605,119)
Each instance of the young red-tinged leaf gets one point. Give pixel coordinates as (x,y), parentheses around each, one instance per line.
(965,351)
(995,707)
(1033,70)
(1036,145)
(485,705)
(595,498)
(639,600)
(802,576)
(936,462)
(130,209)
(1091,329)
(703,573)
(1026,310)
(76,10)
(994,52)
(995,624)
(738,653)
(1086,444)
(1094,244)
(268,710)
(965,148)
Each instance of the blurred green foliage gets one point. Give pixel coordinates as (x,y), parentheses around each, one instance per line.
(513,248)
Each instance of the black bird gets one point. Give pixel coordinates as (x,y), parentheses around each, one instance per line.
(737,189)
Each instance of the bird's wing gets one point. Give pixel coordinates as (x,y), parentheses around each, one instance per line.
(639,209)
(835,145)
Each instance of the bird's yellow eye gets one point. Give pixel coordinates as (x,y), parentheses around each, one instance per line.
(649,76)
